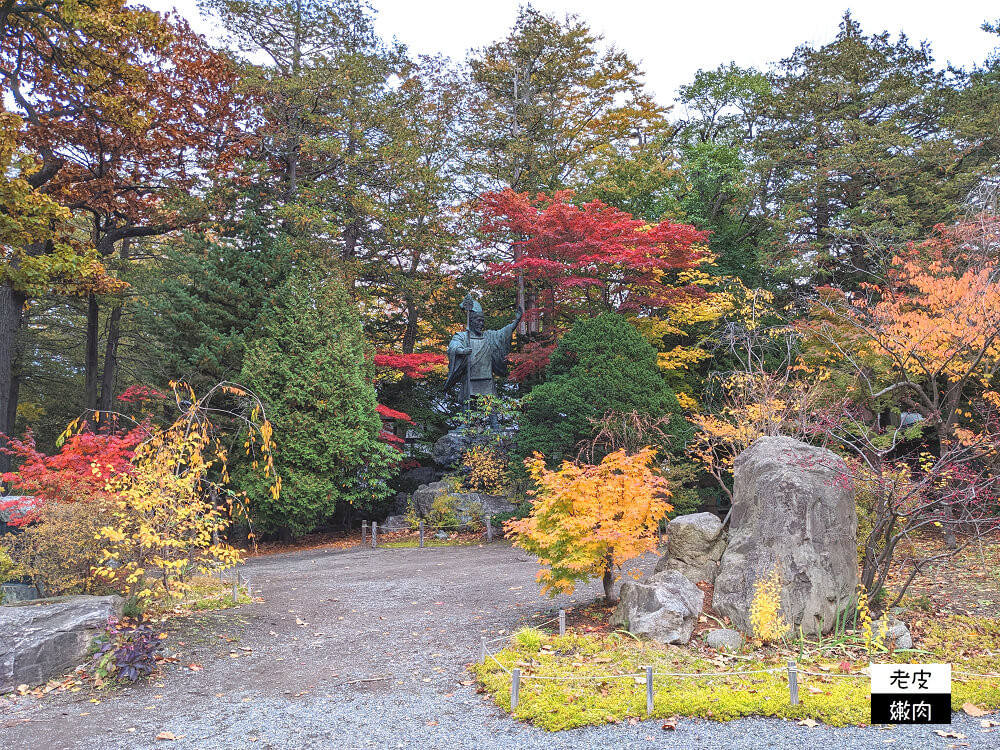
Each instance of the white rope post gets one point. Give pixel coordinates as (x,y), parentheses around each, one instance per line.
(421,532)
(489,530)
(515,689)
(793,683)
(364,532)
(562,622)
(649,691)
(482,649)
(374,534)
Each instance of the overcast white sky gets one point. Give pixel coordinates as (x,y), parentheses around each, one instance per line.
(672,39)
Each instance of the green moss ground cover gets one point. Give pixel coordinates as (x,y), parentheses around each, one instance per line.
(832,696)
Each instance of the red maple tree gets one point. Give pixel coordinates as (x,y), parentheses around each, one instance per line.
(583,260)
(79,471)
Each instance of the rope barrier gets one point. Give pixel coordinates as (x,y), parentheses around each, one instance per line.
(976,674)
(581,677)
(497,663)
(543,624)
(829,674)
(388,529)
(498,638)
(489,654)
(719,674)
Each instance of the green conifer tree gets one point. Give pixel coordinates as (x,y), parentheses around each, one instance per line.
(601,365)
(308,362)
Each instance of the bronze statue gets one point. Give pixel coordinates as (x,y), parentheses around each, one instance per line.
(486,350)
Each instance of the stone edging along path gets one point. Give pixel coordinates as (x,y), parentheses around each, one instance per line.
(367,648)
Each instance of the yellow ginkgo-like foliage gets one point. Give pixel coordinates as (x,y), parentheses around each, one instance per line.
(720,297)
(767,620)
(755,405)
(165,517)
(587,520)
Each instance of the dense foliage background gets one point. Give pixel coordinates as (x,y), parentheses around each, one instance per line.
(302,209)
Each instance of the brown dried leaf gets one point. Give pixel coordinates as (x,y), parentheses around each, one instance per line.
(973,710)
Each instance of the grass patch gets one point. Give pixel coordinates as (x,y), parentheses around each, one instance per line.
(458,540)
(969,644)
(205,593)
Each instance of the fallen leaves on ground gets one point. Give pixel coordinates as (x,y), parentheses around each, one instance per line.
(811,723)
(973,710)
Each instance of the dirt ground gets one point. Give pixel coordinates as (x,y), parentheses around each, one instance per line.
(326,620)
(358,648)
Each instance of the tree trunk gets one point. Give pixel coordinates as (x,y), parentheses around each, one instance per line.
(351,236)
(90,357)
(410,333)
(609,586)
(946,439)
(14,394)
(110,361)
(11,305)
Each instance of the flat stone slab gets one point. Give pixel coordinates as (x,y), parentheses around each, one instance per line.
(725,640)
(46,638)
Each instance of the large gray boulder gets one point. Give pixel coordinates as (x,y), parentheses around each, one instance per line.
(470,507)
(664,608)
(793,505)
(695,543)
(46,638)
(424,496)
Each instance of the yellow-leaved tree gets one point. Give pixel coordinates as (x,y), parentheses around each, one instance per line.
(588,520)
(167,515)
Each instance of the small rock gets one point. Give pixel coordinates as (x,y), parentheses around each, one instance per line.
(11,593)
(695,543)
(665,607)
(898,635)
(394,523)
(725,640)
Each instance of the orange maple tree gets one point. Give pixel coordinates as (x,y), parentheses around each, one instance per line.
(589,520)
(926,336)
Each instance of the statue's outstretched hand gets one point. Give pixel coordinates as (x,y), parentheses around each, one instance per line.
(519,314)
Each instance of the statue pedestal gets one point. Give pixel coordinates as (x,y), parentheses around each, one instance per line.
(448,450)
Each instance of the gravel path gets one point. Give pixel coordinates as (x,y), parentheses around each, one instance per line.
(366,649)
